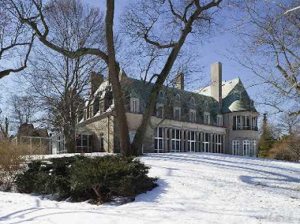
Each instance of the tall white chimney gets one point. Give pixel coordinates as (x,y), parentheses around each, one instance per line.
(216,82)
(179,81)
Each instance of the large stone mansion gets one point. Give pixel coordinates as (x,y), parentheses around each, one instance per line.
(220,118)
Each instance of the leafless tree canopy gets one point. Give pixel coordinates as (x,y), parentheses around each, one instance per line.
(161,25)
(58,82)
(273,51)
(16,41)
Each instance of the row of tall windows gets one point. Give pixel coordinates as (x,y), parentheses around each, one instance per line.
(177,140)
(244,123)
(244,147)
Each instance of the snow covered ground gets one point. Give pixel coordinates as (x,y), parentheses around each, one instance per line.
(194,188)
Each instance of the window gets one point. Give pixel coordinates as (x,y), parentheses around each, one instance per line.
(176,140)
(96,105)
(91,111)
(161,95)
(83,143)
(192,101)
(192,141)
(158,140)
(192,115)
(205,143)
(234,123)
(160,110)
(177,113)
(219,143)
(254,123)
(220,120)
(134,105)
(246,147)
(253,148)
(235,147)
(239,123)
(177,97)
(247,125)
(102,142)
(206,118)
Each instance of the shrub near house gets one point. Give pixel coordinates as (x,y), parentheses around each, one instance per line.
(99,179)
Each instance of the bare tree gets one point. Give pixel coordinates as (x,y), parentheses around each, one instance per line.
(272,46)
(23,109)
(58,82)
(184,15)
(16,42)
(289,124)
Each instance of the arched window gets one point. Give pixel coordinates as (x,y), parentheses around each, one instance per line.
(177,97)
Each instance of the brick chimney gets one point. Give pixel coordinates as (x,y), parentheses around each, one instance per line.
(179,81)
(216,82)
(95,80)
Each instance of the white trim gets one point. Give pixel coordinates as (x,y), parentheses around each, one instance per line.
(246,147)
(159,140)
(206,118)
(134,105)
(235,147)
(192,115)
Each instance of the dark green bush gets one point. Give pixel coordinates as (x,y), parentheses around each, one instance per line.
(98,179)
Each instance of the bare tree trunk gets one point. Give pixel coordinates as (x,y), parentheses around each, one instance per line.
(114,79)
(140,134)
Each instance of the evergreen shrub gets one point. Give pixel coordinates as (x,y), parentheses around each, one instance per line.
(98,179)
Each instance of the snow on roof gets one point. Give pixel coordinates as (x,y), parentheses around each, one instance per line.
(227,86)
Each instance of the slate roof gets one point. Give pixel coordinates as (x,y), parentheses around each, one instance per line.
(234,95)
(138,88)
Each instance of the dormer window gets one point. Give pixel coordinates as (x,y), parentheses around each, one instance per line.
(160,110)
(177,97)
(192,115)
(220,120)
(206,118)
(161,95)
(177,113)
(134,105)
(192,101)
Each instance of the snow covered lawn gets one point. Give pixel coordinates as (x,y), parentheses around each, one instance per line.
(194,188)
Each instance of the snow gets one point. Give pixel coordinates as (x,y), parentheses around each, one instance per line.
(193,188)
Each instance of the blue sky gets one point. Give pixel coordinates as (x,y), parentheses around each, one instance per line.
(218,47)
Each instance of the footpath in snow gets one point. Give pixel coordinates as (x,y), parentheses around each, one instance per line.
(193,188)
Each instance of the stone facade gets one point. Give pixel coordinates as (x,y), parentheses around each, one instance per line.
(220,118)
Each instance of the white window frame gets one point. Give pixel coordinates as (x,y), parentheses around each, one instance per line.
(206,143)
(254,123)
(239,123)
(220,120)
(206,118)
(192,115)
(219,143)
(192,141)
(246,147)
(235,147)
(174,113)
(253,147)
(176,140)
(159,139)
(134,105)
(192,101)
